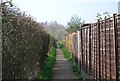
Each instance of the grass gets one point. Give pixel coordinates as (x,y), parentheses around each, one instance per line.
(46,72)
(61,44)
(77,70)
(66,54)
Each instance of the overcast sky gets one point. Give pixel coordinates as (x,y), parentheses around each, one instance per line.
(62,10)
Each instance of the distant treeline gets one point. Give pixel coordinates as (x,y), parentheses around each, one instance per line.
(56,30)
(25,44)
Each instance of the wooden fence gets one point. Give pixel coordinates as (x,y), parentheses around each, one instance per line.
(96,48)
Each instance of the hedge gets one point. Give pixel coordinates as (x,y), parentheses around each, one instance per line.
(25,44)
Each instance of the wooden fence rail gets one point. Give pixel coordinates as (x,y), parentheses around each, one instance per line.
(96,48)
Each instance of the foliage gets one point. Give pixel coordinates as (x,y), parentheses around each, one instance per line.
(46,72)
(7,2)
(25,44)
(66,54)
(105,16)
(61,43)
(78,71)
(74,24)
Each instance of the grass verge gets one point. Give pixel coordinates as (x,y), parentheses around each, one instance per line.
(66,54)
(46,72)
(77,70)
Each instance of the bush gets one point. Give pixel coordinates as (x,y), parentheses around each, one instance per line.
(25,44)
(46,72)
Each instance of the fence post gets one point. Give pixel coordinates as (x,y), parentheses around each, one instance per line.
(115,46)
(1,42)
(105,75)
(99,47)
(86,49)
(109,47)
(81,48)
(89,49)
(78,33)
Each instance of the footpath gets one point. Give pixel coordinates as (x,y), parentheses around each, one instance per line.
(62,69)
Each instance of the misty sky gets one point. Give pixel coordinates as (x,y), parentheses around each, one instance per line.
(62,10)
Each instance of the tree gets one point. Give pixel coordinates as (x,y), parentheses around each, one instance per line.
(105,15)
(4,2)
(55,29)
(74,24)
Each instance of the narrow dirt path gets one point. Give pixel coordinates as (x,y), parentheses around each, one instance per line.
(62,69)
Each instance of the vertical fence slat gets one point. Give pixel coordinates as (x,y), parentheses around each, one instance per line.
(102,52)
(105,51)
(115,46)
(89,50)
(99,47)
(109,49)
(81,47)
(78,33)
(96,50)
(86,48)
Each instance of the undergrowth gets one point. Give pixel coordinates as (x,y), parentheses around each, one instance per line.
(77,70)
